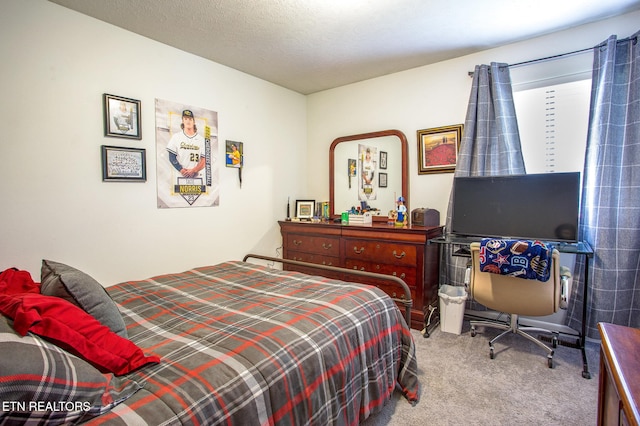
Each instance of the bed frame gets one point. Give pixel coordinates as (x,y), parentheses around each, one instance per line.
(407,301)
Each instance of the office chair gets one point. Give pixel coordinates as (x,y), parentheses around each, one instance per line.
(516,296)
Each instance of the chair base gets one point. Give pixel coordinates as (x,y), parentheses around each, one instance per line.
(514,327)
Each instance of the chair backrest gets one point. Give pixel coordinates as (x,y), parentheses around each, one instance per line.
(514,295)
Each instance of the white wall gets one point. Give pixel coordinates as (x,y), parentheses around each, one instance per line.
(56,64)
(433,96)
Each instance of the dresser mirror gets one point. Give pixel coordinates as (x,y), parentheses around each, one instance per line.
(370,168)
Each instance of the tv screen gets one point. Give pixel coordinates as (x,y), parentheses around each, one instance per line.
(533,206)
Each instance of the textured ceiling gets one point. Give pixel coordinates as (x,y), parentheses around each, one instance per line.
(313,45)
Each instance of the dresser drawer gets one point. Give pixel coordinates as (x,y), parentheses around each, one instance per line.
(381,252)
(324,246)
(317,259)
(406,273)
(395,292)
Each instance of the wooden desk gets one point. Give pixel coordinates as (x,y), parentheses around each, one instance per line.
(619,387)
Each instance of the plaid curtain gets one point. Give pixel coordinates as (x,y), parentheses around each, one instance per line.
(490,145)
(610,218)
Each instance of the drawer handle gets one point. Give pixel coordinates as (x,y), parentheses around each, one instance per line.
(356,268)
(327,247)
(296,242)
(402,275)
(328,264)
(399,256)
(355,249)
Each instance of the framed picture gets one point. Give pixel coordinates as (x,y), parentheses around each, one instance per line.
(383,159)
(305,209)
(233,154)
(438,149)
(382,180)
(121,164)
(121,117)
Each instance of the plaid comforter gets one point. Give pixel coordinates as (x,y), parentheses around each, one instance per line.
(242,344)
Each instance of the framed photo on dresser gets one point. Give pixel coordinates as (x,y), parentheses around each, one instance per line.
(305,209)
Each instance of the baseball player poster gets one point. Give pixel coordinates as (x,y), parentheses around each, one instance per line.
(186,155)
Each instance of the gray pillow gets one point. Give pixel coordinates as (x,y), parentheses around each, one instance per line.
(60,280)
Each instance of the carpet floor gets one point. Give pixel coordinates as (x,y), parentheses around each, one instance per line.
(460,384)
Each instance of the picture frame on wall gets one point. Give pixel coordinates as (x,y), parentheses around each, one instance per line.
(121,164)
(438,149)
(383,159)
(121,117)
(382,180)
(233,154)
(305,209)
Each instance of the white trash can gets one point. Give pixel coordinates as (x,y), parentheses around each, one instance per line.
(452,299)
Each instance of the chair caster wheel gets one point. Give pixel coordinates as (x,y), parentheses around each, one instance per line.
(554,341)
(492,355)
(550,362)
(473,332)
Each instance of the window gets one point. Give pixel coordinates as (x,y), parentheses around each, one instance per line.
(553,124)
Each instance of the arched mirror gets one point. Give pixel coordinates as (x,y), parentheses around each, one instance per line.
(371,168)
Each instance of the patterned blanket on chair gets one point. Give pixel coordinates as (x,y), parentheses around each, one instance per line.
(528,259)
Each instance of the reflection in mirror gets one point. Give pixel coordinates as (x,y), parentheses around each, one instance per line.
(369,168)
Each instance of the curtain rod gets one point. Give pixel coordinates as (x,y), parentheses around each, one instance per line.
(561,55)
(546,58)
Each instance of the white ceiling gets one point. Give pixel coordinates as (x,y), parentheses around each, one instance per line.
(313,45)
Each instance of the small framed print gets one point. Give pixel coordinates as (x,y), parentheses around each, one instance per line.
(121,117)
(382,180)
(305,209)
(438,149)
(383,159)
(234,154)
(121,164)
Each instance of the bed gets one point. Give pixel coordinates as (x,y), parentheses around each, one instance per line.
(233,343)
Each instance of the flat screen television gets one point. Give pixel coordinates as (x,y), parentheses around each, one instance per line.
(531,206)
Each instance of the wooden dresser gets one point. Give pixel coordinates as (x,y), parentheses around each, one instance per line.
(619,387)
(376,248)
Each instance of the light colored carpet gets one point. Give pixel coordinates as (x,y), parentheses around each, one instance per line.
(462,385)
